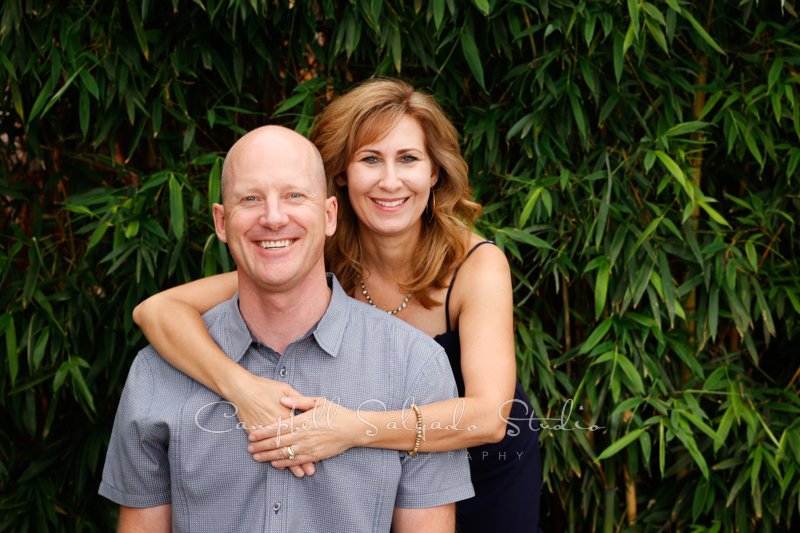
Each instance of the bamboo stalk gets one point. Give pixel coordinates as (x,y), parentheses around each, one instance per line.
(630,496)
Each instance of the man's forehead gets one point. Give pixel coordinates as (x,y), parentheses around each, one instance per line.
(274,156)
(272,178)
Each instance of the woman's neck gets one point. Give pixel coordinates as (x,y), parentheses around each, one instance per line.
(392,256)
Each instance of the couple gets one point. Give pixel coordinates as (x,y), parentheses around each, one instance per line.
(404,213)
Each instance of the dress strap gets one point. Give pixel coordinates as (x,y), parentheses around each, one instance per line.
(453,280)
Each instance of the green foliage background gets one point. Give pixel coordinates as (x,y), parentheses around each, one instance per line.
(637,161)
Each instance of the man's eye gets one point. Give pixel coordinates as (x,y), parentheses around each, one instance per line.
(295,195)
(250,198)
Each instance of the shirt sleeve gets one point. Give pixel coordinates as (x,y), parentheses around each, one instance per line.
(136,471)
(436,478)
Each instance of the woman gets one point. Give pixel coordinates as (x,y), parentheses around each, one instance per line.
(404,244)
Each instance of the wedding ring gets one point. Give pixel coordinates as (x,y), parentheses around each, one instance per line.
(290,451)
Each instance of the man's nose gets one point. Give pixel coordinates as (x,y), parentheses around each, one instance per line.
(273,215)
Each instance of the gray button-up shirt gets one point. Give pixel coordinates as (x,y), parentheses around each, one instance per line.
(174,441)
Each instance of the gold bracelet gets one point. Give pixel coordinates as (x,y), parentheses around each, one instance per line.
(418,441)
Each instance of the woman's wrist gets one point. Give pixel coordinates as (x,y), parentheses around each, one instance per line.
(351,427)
(232,383)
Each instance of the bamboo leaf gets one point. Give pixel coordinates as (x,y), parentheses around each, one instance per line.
(667,287)
(774,73)
(662,445)
(675,170)
(438,13)
(686,127)
(713,311)
(690,444)
(483,6)
(138,29)
(470,51)
(83,112)
(741,479)
(702,426)
(750,141)
(630,372)
(701,31)
(11,347)
(97,234)
(588,29)
(525,237)
(750,253)
(533,197)
(41,100)
(633,13)
(89,83)
(601,289)
(619,56)
(596,336)
(188,137)
(619,445)
(577,112)
(60,92)
(215,184)
(766,314)
(397,50)
(715,216)
(176,213)
(290,103)
(79,382)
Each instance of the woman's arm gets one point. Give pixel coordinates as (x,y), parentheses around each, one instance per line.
(171,320)
(482,300)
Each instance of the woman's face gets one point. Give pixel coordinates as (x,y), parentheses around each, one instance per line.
(389,180)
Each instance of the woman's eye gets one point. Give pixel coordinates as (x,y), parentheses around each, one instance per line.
(370,159)
(408,159)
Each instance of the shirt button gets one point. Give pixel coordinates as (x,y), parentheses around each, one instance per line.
(283,372)
(276,507)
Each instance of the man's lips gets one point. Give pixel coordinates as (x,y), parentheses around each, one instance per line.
(275,244)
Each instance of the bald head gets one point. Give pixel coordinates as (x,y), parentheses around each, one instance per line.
(267,146)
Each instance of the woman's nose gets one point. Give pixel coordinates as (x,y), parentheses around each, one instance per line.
(390,180)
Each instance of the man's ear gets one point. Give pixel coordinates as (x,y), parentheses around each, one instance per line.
(219,222)
(331,211)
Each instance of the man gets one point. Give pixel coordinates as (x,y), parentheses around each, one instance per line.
(177,462)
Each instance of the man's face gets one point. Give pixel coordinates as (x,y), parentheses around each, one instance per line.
(275,216)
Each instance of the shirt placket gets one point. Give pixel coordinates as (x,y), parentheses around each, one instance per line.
(278,491)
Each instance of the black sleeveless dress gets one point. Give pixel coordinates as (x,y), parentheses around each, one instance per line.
(507,475)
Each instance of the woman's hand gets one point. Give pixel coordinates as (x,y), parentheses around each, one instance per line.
(324,430)
(258,405)
(258,401)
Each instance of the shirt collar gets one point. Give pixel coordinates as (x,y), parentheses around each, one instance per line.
(331,327)
(328,332)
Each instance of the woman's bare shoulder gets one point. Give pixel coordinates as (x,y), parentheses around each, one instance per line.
(486,258)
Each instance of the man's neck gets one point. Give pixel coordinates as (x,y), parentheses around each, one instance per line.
(280,317)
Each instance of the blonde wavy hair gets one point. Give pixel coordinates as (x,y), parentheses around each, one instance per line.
(365,115)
